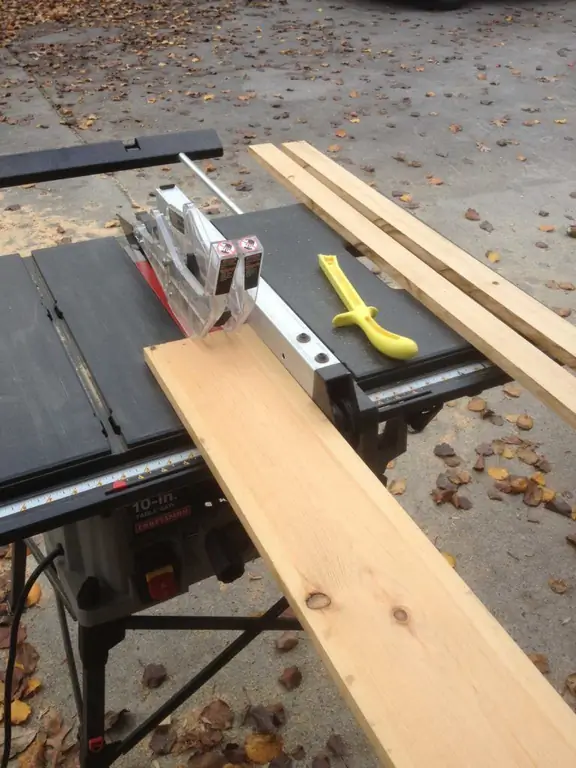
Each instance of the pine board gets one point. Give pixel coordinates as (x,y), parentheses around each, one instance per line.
(542,376)
(431,676)
(541,325)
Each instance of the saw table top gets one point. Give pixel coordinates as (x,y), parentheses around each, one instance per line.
(104,314)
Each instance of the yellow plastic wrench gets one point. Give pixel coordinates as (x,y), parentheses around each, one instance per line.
(390,344)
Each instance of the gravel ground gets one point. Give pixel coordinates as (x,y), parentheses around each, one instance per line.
(472,109)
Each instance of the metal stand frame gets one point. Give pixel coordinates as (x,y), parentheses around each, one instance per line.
(95,643)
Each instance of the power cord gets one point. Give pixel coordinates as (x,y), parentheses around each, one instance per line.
(12,648)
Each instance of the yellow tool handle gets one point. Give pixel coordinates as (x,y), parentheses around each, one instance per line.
(390,344)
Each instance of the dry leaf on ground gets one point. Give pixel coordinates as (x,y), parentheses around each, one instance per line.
(450,559)
(493,256)
(570,683)
(290,678)
(512,389)
(287,641)
(21,739)
(498,473)
(34,595)
(397,487)
(533,494)
(558,585)
(524,422)
(540,660)
(476,404)
(218,714)
(472,215)
(154,675)
(262,748)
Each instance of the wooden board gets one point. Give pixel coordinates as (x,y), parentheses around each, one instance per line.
(545,378)
(431,676)
(532,319)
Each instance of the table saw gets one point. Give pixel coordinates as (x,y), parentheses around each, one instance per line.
(94,457)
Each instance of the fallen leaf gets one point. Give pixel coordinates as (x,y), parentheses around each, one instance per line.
(452,461)
(512,389)
(493,256)
(21,739)
(286,642)
(261,748)
(334,148)
(162,740)
(547,228)
(34,756)
(493,494)
(508,452)
(570,683)
(209,167)
(539,479)
(524,422)
(476,404)
(341,133)
(208,760)
(455,128)
(563,311)
(290,678)
(479,465)
(548,495)
(527,455)
(354,119)
(353,94)
(559,586)
(435,181)
(440,496)
(472,215)
(567,286)
(430,94)
(397,487)
(518,484)
(444,449)
(450,559)
(461,502)
(154,675)
(521,158)
(540,660)
(19,712)
(511,417)
(543,465)
(533,494)
(481,76)
(218,715)
(31,685)
(406,198)
(34,595)
(27,656)
(530,123)
(114,719)
(498,473)
(208,96)
(484,449)
(560,506)
(5,636)
(458,477)
(500,122)
(561,121)
(322,760)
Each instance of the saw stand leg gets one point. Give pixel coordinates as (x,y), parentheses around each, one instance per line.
(97,641)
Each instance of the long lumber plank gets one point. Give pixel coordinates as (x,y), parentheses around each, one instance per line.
(546,379)
(516,308)
(431,676)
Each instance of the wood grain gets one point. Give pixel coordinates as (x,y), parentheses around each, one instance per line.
(431,676)
(542,376)
(516,308)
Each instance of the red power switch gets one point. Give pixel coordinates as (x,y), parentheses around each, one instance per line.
(162,583)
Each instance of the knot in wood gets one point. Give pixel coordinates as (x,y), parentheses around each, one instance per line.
(317,600)
(400,614)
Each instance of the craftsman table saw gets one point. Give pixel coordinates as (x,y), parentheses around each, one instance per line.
(94,457)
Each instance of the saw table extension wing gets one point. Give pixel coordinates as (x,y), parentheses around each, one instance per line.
(432,677)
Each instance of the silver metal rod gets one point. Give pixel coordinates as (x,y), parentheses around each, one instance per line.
(209,183)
